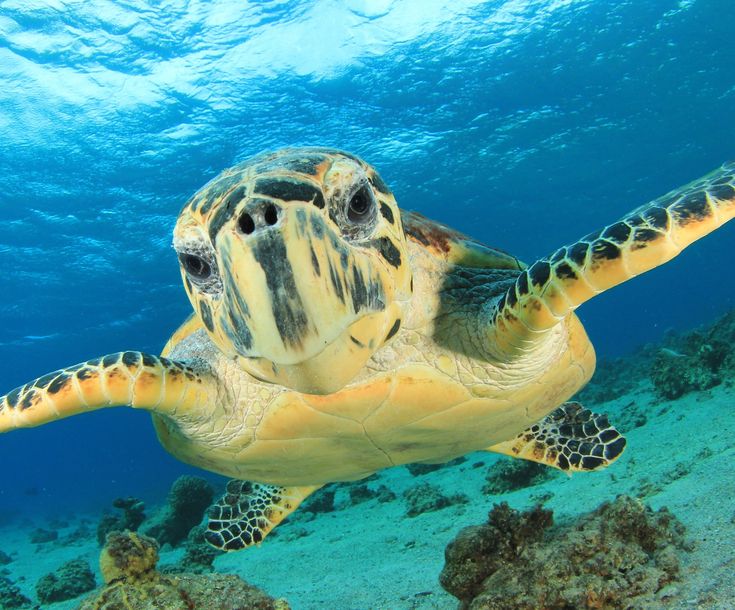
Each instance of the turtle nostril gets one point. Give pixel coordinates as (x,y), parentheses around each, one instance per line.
(246,224)
(271,215)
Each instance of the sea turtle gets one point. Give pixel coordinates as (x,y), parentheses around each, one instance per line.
(334,335)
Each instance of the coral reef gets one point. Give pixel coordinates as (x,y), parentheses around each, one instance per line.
(425,498)
(71,580)
(681,363)
(10,595)
(675,373)
(362,493)
(188,500)
(128,563)
(5,559)
(619,556)
(511,475)
(697,360)
(133,514)
(420,468)
(198,555)
(41,535)
(320,502)
(128,556)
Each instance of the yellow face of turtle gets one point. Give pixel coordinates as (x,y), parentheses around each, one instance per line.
(296,263)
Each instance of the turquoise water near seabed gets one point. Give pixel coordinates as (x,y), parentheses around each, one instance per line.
(524,124)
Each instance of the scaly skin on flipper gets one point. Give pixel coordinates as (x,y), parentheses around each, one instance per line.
(551,288)
(570,438)
(248,512)
(140,380)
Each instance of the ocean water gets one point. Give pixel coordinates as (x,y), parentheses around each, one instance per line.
(524,123)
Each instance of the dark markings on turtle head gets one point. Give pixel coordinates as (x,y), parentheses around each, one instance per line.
(288,308)
(387,212)
(393,329)
(564,271)
(722,192)
(365,294)
(692,207)
(539,273)
(206,314)
(336,282)
(237,309)
(378,183)
(131,359)
(187,283)
(358,291)
(618,232)
(287,190)
(224,213)
(58,383)
(149,360)
(301,222)
(314,261)
(317,226)
(308,164)
(603,249)
(357,341)
(214,192)
(388,251)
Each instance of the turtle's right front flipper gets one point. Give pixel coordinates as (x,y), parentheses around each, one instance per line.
(545,293)
(125,378)
(248,512)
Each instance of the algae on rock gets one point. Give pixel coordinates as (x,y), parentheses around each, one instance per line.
(128,564)
(619,556)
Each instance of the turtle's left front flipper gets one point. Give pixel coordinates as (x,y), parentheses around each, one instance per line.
(545,293)
(247,513)
(570,438)
(140,380)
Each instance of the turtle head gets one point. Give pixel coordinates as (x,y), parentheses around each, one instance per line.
(296,264)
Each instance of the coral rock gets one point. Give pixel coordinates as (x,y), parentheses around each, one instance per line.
(618,556)
(128,564)
(128,556)
(69,581)
(10,595)
(132,516)
(425,498)
(188,500)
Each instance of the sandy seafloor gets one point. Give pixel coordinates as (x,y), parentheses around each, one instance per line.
(371,556)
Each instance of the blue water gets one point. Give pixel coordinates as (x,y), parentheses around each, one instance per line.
(524,123)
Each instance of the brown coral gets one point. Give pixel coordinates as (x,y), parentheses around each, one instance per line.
(128,564)
(619,556)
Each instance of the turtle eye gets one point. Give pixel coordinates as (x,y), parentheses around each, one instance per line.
(361,203)
(195,266)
